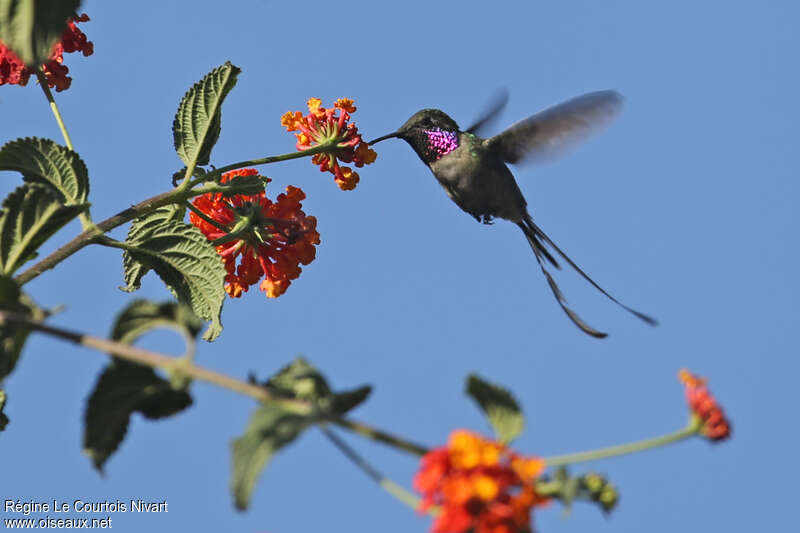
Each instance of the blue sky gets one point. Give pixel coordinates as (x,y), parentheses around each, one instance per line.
(684,208)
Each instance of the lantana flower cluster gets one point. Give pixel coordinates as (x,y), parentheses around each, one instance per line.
(14,72)
(704,406)
(330,127)
(269,239)
(478,484)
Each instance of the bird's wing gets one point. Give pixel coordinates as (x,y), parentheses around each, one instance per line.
(491,113)
(555,129)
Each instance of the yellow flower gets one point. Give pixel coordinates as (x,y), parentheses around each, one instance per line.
(291,120)
(464,450)
(348,179)
(490,454)
(485,487)
(314,105)
(345,104)
(528,468)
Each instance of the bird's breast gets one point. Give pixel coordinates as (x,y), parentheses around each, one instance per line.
(479,183)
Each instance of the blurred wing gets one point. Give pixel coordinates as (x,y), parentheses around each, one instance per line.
(491,113)
(555,129)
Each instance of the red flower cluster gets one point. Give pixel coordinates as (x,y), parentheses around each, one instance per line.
(14,72)
(271,238)
(703,405)
(330,127)
(479,484)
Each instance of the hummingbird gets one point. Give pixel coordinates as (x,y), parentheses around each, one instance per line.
(474,173)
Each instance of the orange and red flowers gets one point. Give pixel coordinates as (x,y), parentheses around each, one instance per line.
(479,484)
(14,72)
(329,127)
(715,427)
(271,238)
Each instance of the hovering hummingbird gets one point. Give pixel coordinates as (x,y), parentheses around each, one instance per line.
(474,174)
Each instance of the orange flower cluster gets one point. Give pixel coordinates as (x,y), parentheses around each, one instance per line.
(479,484)
(715,426)
(14,72)
(271,238)
(330,127)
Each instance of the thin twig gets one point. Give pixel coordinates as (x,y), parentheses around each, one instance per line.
(387,484)
(157,360)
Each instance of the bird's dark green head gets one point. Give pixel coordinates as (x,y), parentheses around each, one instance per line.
(429,119)
(423,120)
(430,132)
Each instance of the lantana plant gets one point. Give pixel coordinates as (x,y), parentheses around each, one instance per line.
(211,236)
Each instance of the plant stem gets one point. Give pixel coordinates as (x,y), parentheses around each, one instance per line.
(261,161)
(85,217)
(638,446)
(205,217)
(387,484)
(90,235)
(380,436)
(157,360)
(53,107)
(178,195)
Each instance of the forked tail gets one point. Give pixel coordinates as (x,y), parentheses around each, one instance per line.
(536,238)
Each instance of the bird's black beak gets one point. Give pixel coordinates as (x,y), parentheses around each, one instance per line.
(387,136)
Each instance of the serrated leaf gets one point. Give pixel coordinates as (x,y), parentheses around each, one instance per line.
(184,260)
(13,336)
(270,429)
(198,122)
(143,315)
(3,418)
(32,27)
(501,408)
(145,225)
(300,380)
(30,215)
(43,161)
(125,388)
(348,400)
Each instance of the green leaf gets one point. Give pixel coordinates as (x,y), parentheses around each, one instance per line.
(501,408)
(125,388)
(32,27)
(184,260)
(270,429)
(3,418)
(348,400)
(30,215)
(145,225)
(143,315)
(300,380)
(198,122)
(43,161)
(13,336)
(272,426)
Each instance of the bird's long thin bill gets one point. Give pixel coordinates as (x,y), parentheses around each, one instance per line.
(387,136)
